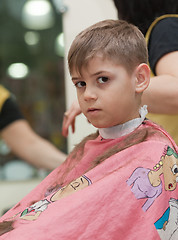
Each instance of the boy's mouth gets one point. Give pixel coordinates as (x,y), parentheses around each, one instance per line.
(92,109)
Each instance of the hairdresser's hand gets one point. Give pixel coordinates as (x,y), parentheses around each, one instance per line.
(69,118)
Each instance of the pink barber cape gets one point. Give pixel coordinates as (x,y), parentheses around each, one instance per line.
(132,195)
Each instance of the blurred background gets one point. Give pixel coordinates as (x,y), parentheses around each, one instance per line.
(32,65)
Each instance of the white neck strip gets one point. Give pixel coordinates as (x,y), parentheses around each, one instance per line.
(125,128)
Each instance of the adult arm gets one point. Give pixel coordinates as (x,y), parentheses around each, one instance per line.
(29,146)
(162,94)
(21,139)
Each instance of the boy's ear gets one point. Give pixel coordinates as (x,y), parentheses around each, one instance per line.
(142,75)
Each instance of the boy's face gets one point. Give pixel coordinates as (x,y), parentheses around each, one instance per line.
(106,93)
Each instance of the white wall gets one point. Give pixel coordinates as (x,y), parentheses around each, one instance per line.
(81,14)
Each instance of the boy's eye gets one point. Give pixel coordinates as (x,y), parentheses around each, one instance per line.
(103,79)
(80,84)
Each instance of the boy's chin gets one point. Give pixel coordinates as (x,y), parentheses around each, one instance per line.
(97,125)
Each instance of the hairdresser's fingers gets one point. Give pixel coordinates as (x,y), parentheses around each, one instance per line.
(73,126)
(69,118)
(64,127)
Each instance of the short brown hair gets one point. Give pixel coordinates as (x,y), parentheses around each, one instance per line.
(117,40)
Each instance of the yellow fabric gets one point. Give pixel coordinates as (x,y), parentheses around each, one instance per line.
(4,94)
(168,122)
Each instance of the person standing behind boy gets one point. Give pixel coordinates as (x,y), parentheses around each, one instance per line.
(121,180)
(22,140)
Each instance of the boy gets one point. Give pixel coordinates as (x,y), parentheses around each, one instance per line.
(111,186)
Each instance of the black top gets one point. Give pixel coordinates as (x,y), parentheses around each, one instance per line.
(163,40)
(9,113)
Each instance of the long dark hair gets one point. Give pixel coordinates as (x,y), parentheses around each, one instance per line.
(143,12)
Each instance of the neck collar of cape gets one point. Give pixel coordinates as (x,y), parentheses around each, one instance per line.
(125,128)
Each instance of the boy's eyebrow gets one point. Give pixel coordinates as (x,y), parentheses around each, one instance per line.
(75,78)
(97,73)
(100,72)
(92,75)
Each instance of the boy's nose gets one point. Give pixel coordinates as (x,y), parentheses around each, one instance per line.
(89,94)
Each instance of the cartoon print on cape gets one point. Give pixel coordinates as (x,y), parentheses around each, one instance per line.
(146,183)
(32,213)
